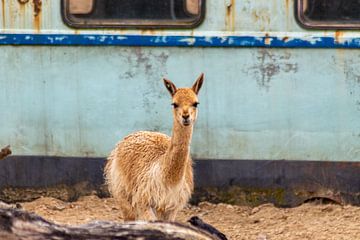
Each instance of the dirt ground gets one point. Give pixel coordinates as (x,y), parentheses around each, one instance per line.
(309,221)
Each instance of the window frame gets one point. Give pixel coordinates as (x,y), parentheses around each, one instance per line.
(146,24)
(321,25)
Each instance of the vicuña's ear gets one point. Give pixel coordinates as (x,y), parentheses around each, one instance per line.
(170,86)
(198,83)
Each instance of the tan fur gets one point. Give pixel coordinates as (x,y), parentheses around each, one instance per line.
(150,173)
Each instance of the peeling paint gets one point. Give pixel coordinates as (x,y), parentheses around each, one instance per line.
(189,41)
(262,16)
(269,64)
(267,39)
(199,41)
(255,68)
(285,39)
(351,69)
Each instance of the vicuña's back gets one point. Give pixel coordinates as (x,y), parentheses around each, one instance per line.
(150,173)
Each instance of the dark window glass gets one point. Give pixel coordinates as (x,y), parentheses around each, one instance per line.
(329,13)
(129,13)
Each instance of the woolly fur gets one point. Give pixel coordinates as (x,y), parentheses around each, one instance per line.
(150,173)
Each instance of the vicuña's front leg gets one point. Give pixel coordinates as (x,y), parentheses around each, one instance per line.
(127,212)
(167,215)
(145,213)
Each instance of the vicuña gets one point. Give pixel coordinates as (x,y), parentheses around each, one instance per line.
(150,173)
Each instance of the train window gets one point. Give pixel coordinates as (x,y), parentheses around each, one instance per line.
(133,13)
(323,14)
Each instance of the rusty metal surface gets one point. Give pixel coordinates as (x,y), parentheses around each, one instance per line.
(68,103)
(284,183)
(257,103)
(25,178)
(228,18)
(250,182)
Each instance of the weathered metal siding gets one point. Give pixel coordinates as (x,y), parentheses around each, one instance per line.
(227,23)
(222,16)
(257,103)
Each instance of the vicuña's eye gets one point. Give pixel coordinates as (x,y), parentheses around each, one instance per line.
(175,105)
(195,104)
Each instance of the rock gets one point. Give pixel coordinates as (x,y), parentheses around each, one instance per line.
(262,236)
(255,210)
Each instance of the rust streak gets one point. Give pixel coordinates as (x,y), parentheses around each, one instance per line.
(22,12)
(267,39)
(11,16)
(338,36)
(233,15)
(37,7)
(3,13)
(230,16)
(121,31)
(37,14)
(255,16)
(287,6)
(285,39)
(287,9)
(147,32)
(37,22)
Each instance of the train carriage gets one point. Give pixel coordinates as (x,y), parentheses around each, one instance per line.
(279,112)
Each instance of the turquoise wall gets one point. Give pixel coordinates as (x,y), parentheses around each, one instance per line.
(256,103)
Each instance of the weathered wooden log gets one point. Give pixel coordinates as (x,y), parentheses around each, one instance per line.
(20,225)
(5,152)
(197,222)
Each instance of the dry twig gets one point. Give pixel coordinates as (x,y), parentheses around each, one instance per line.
(6,151)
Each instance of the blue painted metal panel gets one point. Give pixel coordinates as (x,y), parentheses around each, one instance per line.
(288,102)
(262,104)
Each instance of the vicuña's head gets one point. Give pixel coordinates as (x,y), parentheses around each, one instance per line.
(185,101)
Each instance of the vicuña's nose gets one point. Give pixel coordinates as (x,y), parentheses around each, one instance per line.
(186,117)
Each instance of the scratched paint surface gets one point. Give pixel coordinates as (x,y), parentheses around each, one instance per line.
(257,103)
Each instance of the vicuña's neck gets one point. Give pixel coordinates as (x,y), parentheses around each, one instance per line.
(177,156)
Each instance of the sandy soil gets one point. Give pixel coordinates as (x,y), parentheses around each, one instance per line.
(310,221)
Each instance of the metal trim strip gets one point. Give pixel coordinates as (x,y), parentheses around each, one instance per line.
(178,41)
